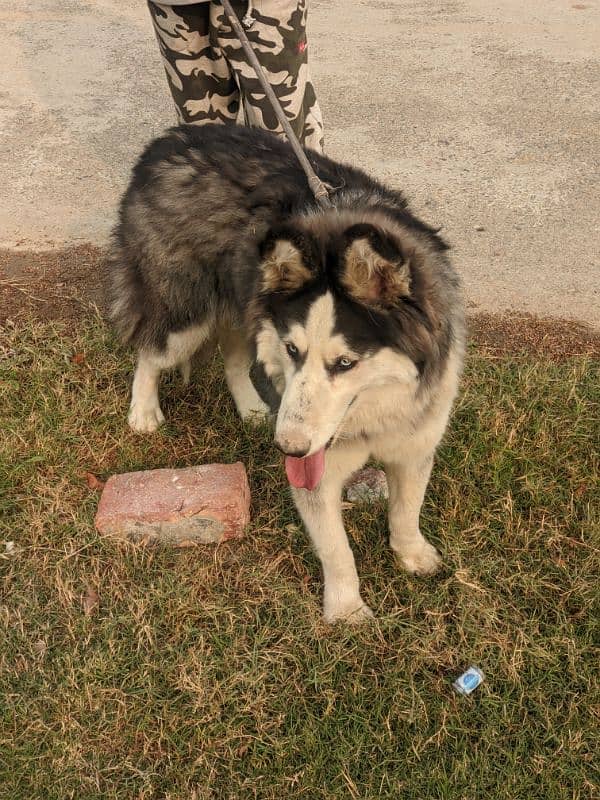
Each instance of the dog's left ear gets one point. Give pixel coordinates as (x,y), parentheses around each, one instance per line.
(286,258)
(376,272)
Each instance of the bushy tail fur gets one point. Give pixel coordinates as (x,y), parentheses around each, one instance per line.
(122,293)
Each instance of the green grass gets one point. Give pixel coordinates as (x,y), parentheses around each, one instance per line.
(208,673)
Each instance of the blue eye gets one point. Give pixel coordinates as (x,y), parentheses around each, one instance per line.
(344,364)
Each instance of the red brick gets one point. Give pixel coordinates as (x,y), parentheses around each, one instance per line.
(208,503)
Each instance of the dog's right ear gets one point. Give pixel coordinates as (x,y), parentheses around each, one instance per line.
(286,256)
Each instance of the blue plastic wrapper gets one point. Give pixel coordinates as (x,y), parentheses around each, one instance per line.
(468,681)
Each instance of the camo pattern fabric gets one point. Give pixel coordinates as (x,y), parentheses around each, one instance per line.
(208,72)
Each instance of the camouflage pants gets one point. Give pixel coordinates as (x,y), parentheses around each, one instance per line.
(208,72)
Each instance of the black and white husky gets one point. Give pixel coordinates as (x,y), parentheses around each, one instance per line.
(348,323)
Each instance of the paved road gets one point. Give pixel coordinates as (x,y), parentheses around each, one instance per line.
(486,114)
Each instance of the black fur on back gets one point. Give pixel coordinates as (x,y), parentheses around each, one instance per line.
(200,205)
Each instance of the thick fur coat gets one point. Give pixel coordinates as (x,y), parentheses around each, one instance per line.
(346,323)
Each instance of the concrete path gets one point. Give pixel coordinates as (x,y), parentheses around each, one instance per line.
(486,114)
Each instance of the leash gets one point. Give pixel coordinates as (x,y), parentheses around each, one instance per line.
(318,188)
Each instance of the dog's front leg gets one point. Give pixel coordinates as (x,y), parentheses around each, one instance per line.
(321,511)
(407,484)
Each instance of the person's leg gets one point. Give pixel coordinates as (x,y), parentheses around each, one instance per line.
(278,36)
(201,82)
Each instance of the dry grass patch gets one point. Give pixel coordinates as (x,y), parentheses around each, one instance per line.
(208,673)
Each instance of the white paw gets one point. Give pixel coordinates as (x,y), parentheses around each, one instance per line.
(145,419)
(421,560)
(249,405)
(352,611)
(256,417)
(252,409)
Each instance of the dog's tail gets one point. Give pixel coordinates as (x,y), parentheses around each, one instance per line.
(124,293)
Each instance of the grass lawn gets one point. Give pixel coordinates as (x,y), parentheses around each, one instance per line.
(208,673)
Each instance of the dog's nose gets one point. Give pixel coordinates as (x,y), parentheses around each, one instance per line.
(292,448)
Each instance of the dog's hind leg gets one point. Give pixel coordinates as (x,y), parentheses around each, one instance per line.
(407,484)
(145,414)
(144,411)
(236,356)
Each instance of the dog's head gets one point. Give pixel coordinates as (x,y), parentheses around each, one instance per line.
(343,306)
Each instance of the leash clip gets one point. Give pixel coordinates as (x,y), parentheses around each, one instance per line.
(248,21)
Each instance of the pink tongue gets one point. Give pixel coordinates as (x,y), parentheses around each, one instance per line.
(305,473)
